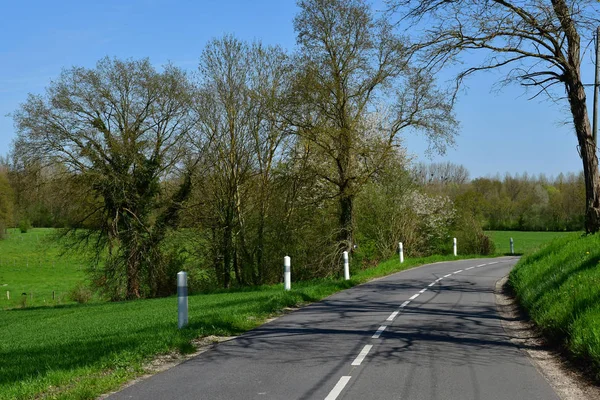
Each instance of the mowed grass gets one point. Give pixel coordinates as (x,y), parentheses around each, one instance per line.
(32,263)
(81,351)
(559,287)
(524,242)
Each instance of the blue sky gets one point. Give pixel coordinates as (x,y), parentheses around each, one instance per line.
(499,132)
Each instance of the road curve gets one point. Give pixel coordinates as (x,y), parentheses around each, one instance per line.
(428,333)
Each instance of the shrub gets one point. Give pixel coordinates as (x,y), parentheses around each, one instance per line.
(24,225)
(471,238)
(80,293)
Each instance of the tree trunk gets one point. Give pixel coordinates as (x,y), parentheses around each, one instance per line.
(587,146)
(346,226)
(133,276)
(227,250)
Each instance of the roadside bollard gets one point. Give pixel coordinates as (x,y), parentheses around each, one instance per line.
(287,273)
(346,266)
(454,247)
(512,246)
(401,251)
(182,299)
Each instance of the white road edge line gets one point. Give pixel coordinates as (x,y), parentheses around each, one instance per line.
(414,296)
(458,272)
(379,332)
(337,389)
(407,302)
(481,265)
(423,290)
(363,353)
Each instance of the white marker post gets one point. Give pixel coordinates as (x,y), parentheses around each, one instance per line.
(346,266)
(287,273)
(401,251)
(182,300)
(512,246)
(454,247)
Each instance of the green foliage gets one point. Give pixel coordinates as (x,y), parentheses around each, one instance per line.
(559,287)
(81,293)
(24,225)
(471,238)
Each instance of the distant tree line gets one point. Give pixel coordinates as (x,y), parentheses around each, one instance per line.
(519,202)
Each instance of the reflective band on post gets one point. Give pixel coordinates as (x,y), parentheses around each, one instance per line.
(182,300)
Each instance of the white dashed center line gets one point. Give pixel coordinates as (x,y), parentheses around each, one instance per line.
(392,316)
(363,353)
(335,392)
(379,332)
(341,384)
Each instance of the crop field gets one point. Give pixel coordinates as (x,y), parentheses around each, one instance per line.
(524,242)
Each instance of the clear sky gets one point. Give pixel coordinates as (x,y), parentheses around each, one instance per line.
(499,132)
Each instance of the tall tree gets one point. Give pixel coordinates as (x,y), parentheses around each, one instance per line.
(6,201)
(540,42)
(118,129)
(354,93)
(241,84)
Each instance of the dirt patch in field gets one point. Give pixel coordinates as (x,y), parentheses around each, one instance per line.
(567,378)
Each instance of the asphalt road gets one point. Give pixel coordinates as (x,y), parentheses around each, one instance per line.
(445,342)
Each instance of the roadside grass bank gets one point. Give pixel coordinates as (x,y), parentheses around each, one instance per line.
(524,241)
(81,351)
(559,287)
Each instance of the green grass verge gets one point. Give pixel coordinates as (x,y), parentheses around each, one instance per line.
(559,287)
(524,242)
(81,351)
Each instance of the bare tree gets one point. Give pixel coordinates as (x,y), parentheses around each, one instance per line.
(540,42)
(241,84)
(354,93)
(119,130)
(440,173)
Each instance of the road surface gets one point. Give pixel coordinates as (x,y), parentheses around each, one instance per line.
(428,333)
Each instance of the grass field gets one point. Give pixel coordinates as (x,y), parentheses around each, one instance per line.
(524,242)
(31,263)
(559,287)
